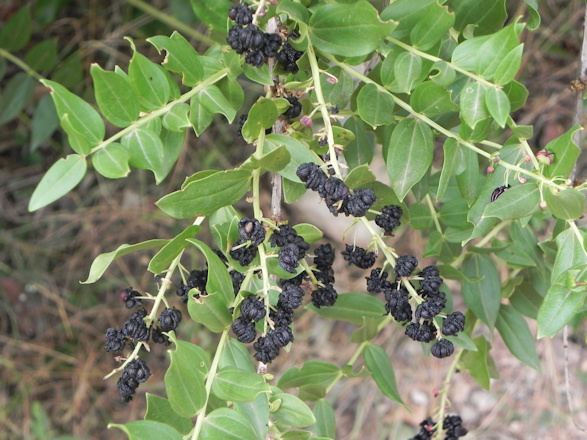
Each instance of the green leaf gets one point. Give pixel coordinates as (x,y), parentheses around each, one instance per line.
(432,27)
(409,155)
(146,151)
(450,164)
(262,115)
(481,289)
(16,32)
(295,11)
(260,75)
(219,281)
(360,150)
(173,143)
(571,253)
(236,354)
(567,204)
(82,123)
(177,118)
(359,176)
(309,232)
(181,57)
(200,116)
(116,99)
(274,161)
(407,68)
(45,122)
(432,99)
(165,256)
(534,20)
(374,107)
(112,161)
(147,430)
(565,152)
(514,331)
(62,177)
(159,410)
(214,101)
(498,105)
(487,19)
(517,202)
(508,67)
(472,104)
(15,96)
(298,150)
(184,386)
(352,307)
(42,57)
(213,13)
(462,340)
(559,307)
(381,371)
(257,413)
(69,73)
(334,28)
(325,419)
(237,385)
(477,362)
(312,373)
(203,197)
(226,424)
(517,94)
(103,261)
(148,80)
(292,411)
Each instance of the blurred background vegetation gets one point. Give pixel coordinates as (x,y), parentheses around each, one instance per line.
(51,327)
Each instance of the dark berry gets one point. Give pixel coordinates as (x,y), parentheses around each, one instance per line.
(424,332)
(453,324)
(291,296)
(251,230)
(237,280)
(271,45)
(431,282)
(431,306)
(426,430)
(255,58)
(244,330)
(265,349)
(234,39)
(453,424)
(287,58)
(358,203)
(442,348)
(114,341)
(252,309)
(129,297)
(281,316)
(325,276)
(324,256)
(389,219)
(405,265)
(135,328)
(158,337)
(324,296)
(289,257)
(198,279)
(280,336)
(295,108)
(244,254)
(376,281)
(398,304)
(312,176)
(358,256)
(169,319)
(241,14)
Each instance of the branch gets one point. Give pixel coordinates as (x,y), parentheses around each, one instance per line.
(20,63)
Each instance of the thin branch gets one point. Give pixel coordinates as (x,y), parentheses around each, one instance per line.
(580,110)
(20,63)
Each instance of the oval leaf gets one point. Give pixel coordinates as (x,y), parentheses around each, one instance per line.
(515,332)
(148,430)
(112,161)
(115,97)
(237,385)
(381,371)
(226,424)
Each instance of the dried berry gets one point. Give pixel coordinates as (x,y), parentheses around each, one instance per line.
(377,280)
(241,14)
(135,328)
(295,108)
(251,230)
(442,348)
(398,304)
(389,219)
(169,319)
(405,265)
(244,330)
(237,280)
(281,316)
(424,332)
(243,253)
(289,257)
(130,297)
(324,296)
(324,256)
(135,373)
(291,296)
(431,307)
(114,341)
(252,309)
(158,337)
(287,58)
(453,324)
(280,336)
(358,203)
(358,256)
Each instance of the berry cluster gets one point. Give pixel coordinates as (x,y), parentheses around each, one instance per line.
(258,46)
(197,279)
(358,256)
(130,297)
(324,295)
(252,310)
(292,247)
(251,235)
(295,108)
(135,373)
(452,424)
(335,192)
(389,219)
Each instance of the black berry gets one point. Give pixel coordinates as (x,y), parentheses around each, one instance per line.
(405,265)
(169,319)
(442,348)
(135,328)
(453,324)
(389,219)
(114,341)
(324,296)
(358,256)
(252,309)
(244,330)
(130,297)
(358,203)
(295,108)
(251,230)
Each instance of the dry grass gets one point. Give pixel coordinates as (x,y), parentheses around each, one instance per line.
(51,327)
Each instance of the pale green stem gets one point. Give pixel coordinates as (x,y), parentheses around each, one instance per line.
(444,395)
(173,22)
(323,108)
(433,213)
(485,240)
(444,131)
(209,380)
(214,78)
(20,63)
(260,9)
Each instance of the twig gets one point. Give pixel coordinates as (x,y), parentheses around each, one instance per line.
(579,112)
(20,63)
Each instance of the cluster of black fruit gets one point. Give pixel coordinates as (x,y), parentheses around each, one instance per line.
(291,297)
(292,247)
(337,195)
(251,235)
(135,330)
(258,46)
(452,424)
(422,328)
(197,279)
